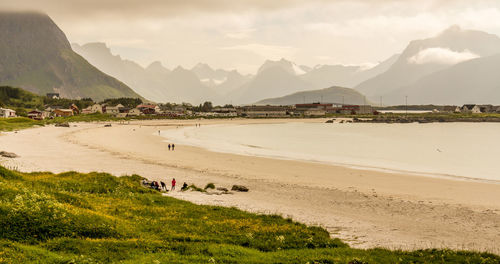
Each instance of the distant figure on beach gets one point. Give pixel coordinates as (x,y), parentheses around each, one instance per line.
(168,146)
(184,187)
(158,132)
(163,186)
(173,184)
(173,147)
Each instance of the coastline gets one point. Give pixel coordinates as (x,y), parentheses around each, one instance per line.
(365,208)
(201,144)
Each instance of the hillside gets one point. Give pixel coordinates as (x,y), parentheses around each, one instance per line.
(327,95)
(427,56)
(35,55)
(16,97)
(98,218)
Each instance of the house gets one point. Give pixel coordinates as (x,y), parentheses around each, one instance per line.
(5,113)
(305,107)
(263,111)
(470,108)
(314,109)
(451,109)
(53,95)
(63,112)
(225,111)
(96,108)
(123,109)
(53,107)
(87,110)
(314,112)
(134,112)
(36,115)
(352,109)
(75,109)
(486,108)
(148,109)
(112,110)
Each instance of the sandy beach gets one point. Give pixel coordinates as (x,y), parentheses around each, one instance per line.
(364,208)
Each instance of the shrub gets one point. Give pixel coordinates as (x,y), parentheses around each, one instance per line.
(210,186)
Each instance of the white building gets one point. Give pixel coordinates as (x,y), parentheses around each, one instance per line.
(5,113)
(470,108)
(96,108)
(134,112)
(112,110)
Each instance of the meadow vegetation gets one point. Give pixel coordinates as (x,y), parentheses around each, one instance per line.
(98,218)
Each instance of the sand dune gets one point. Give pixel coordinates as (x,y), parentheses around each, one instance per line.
(365,208)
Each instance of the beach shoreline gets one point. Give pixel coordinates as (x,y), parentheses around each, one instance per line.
(363,207)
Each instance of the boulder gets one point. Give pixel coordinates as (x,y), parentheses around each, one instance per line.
(8,154)
(239,188)
(222,189)
(62,124)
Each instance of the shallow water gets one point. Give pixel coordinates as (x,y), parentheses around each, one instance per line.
(470,150)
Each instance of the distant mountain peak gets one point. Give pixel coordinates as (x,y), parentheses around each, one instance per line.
(202,66)
(284,64)
(155,65)
(452,29)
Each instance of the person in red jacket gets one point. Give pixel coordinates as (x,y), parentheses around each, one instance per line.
(173,184)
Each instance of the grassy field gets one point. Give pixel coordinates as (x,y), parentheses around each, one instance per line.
(98,218)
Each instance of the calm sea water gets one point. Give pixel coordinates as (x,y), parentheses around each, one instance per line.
(470,150)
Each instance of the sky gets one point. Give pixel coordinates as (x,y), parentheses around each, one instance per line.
(242,34)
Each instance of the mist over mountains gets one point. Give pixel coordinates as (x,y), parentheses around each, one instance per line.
(428,67)
(203,83)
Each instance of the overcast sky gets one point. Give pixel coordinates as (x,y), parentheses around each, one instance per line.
(239,34)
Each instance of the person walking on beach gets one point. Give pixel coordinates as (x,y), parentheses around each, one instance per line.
(173,184)
(168,146)
(173,147)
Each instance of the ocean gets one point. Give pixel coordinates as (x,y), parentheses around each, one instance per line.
(460,150)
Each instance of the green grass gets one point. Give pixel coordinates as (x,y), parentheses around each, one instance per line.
(98,218)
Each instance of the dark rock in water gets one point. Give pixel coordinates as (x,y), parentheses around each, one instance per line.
(6,154)
(222,189)
(239,188)
(62,125)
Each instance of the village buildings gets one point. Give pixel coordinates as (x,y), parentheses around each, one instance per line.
(6,113)
(262,111)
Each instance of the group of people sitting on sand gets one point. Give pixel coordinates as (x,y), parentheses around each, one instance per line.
(161,186)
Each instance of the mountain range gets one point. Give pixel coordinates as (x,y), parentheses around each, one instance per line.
(203,83)
(35,55)
(456,66)
(453,65)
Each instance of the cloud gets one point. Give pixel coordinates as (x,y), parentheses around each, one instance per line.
(441,56)
(241,34)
